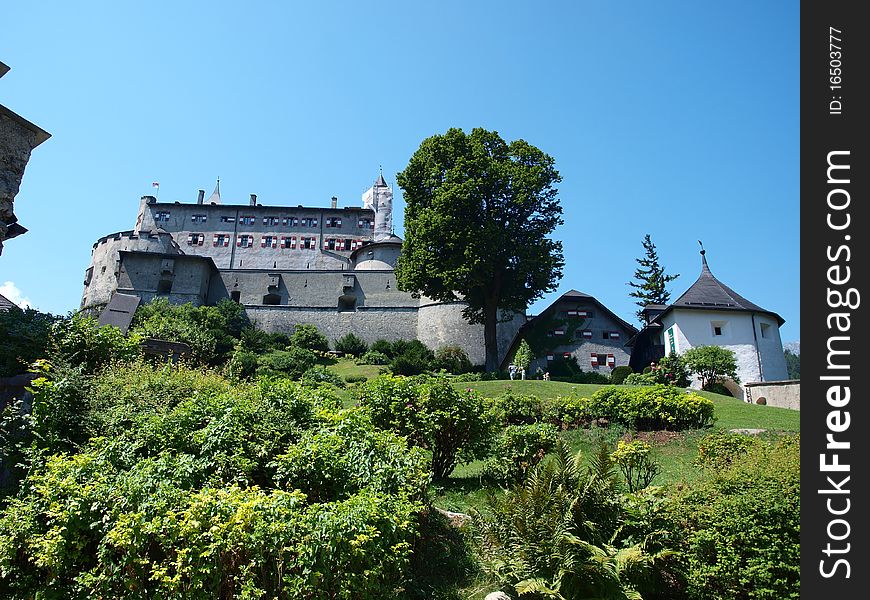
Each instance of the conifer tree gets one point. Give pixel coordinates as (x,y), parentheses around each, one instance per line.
(651,282)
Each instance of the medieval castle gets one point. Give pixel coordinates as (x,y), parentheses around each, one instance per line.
(335,268)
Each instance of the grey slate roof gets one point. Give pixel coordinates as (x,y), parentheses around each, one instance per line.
(119,311)
(5,303)
(380,182)
(708,293)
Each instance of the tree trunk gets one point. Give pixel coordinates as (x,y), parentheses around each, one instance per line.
(490,341)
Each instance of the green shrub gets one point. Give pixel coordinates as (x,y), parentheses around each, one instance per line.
(518,409)
(454,425)
(355,378)
(467,377)
(649,408)
(618,375)
(309,337)
(645,378)
(242,365)
(584,377)
(292,362)
(414,359)
(741,526)
(720,449)
(452,359)
(671,370)
(319,374)
(382,346)
(81,342)
(635,461)
(373,358)
(516,450)
(351,344)
(566,411)
(24,337)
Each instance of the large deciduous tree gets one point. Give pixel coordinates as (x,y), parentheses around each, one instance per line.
(478,219)
(651,281)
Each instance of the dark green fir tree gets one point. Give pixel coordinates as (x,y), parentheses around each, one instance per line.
(650,285)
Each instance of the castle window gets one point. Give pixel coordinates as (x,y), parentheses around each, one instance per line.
(88,274)
(270,220)
(247,220)
(605,335)
(347,245)
(614,335)
(719,328)
(329,244)
(365,224)
(162,215)
(199,218)
(587,334)
(221,239)
(225,219)
(245,241)
(308,243)
(288,242)
(309,222)
(290,221)
(268,241)
(765,330)
(333,222)
(195,239)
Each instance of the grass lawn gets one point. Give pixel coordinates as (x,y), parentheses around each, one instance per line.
(675,451)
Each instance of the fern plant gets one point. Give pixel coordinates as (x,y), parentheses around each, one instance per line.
(558,534)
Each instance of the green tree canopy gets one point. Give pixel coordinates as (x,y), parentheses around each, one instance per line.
(712,364)
(478,219)
(651,282)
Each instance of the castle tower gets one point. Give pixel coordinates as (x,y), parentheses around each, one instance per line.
(379,198)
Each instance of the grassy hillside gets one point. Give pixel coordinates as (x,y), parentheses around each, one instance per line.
(675,451)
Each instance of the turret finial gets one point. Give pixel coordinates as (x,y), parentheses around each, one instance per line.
(704,266)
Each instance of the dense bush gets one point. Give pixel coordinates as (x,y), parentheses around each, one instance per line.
(618,375)
(516,450)
(309,337)
(452,359)
(292,362)
(454,425)
(81,342)
(242,364)
(646,378)
(413,359)
(211,331)
(355,378)
(518,409)
(671,370)
(584,377)
(373,358)
(202,488)
(382,346)
(741,527)
(720,449)
(566,411)
(659,407)
(24,338)
(351,344)
(320,374)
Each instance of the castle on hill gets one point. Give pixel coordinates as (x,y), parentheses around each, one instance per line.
(332,267)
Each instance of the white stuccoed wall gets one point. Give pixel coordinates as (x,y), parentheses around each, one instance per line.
(694,328)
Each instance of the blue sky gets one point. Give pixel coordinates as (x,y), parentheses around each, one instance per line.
(677,119)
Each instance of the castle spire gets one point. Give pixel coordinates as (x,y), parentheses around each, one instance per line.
(215,197)
(704,267)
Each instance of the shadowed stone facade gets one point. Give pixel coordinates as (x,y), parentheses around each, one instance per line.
(18,137)
(330,267)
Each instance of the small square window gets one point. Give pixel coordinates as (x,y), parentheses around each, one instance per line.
(765,330)
(719,328)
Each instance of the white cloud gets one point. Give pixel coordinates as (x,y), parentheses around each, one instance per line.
(11,291)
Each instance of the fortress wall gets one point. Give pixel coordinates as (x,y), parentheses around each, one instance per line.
(101,276)
(442,324)
(141,274)
(368,324)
